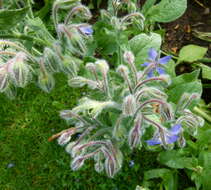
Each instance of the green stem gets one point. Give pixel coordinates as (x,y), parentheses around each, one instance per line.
(202,113)
(24,37)
(31,15)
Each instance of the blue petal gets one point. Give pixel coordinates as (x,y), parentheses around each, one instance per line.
(164,60)
(171,139)
(176,129)
(160,70)
(145,64)
(152,54)
(153,142)
(150,73)
(87,30)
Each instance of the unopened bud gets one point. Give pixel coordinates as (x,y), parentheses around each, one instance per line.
(46,82)
(103,66)
(77,163)
(129,105)
(129,57)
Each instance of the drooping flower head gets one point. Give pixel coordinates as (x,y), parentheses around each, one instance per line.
(153,59)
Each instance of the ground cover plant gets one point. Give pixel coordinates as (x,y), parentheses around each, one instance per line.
(129,116)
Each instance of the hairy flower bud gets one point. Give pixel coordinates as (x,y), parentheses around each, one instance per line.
(129,105)
(4,79)
(102,65)
(66,136)
(135,133)
(18,70)
(77,163)
(51,60)
(129,57)
(46,82)
(81,81)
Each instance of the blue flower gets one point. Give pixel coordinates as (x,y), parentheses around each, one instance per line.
(131,163)
(156,61)
(170,136)
(86,30)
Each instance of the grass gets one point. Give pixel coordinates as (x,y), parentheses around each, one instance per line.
(25,125)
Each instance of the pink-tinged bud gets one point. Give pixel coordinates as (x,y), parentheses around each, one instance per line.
(18,70)
(129,105)
(110,167)
(135,133)
(77,163)
(4,79)
(66,136)
(129,57)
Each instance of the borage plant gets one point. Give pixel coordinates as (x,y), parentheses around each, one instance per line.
(126,108)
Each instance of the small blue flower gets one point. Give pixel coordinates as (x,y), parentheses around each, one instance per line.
(154,59)
(10,165)
(170,136)
(86,30)
(131,163)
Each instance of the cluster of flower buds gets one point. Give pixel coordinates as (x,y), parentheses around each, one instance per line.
(15,70)
(125,107)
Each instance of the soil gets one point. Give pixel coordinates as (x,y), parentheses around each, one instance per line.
(181,32)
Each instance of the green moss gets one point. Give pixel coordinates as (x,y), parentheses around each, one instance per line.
(27,122)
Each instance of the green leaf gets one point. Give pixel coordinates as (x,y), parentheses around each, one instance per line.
(191,87)
(169,177)
(185,78)
(206,71)
(191,53)
(10,18)
(147,5)
(167,10)
(174,159)
(40,30)
(141,44)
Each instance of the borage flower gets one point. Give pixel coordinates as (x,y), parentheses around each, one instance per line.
(170,136)
(157,62)
(86,30)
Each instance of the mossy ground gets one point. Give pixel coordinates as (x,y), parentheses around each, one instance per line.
(27,122)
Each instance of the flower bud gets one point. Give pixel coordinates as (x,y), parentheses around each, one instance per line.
(46,82)
(129,57)
(77,163)
(18,70)
(99,167)
(103,66)
(4,79)
(129,105)
(122,70)
(66,136)
(134,136)
(51,60)
(81,81)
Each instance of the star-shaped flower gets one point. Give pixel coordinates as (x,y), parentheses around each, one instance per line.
(157,62)
(86,30)
(170,136)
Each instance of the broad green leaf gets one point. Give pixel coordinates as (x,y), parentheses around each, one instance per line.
(39,28)
(141,44)
(206,71)
(191,87)
(10,18)
(191,53)
(156,173)
(167,10)
(169,177)
(147,5)
(173,159)
(185,78)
